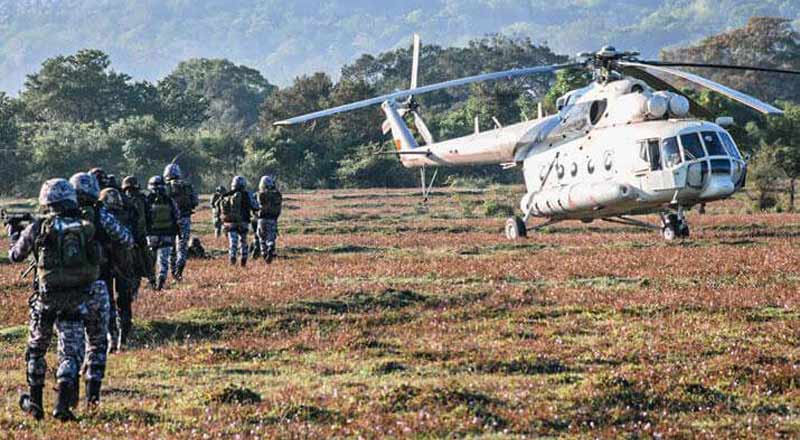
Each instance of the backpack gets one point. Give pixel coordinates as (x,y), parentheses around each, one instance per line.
(138,204)
(183,194)
(232,206)
(271,202)
(163,221)
(67,256)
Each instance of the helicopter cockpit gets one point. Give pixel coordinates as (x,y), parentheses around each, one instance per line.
(702,163)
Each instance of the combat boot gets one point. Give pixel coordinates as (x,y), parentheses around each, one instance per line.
(32,403)
(179,273)
(93,393)
(244,261)
(160,283)
(233,261)
(66,391)
(270,254)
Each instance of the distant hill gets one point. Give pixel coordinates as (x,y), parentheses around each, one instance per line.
(764,41)
(148,38)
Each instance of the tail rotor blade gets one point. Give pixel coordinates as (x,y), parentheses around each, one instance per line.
(423,129)
(415,63)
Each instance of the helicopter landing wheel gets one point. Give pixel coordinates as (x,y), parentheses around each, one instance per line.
(515,228)
(674,227)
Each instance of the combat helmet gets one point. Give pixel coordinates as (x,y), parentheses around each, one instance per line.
(172,172)
(130,182)
(99,174)
(112,199)
(85,185)
(266,182)
(155,183)
(238,183)
(57,192)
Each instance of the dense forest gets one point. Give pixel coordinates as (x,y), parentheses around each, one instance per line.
(77,110)
(284,39)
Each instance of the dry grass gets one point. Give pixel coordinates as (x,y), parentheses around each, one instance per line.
(381,318)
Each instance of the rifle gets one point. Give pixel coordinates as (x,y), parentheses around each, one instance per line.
(16,219)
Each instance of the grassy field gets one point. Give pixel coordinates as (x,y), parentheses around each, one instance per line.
(383,318)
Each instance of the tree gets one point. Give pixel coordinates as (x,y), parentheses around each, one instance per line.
(368,170)
(231,94)
(766,174)
(781,132)
(566,81)
(82,88)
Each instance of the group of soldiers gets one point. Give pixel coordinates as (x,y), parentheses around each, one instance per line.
(92,245)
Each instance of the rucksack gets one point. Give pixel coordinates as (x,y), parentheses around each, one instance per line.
(67,257)
(182,192)
(138,203)
(164,222)
(271,202)
(232,206)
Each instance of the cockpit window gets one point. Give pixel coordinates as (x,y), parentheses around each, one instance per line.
(692,148)
(730,146)
(672,154)
(713,145)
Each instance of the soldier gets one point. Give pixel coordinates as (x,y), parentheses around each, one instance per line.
(119,274)
(101,177)
(108,232)
(66,267)
(270,201)
(164,227)
(184,196)
(236,207)
(215,210)
(143,258)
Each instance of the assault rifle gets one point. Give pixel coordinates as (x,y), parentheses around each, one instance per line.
(16,219)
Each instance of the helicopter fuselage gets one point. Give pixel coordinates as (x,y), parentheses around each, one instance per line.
(616,148)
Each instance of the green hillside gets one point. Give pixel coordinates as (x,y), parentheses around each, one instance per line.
(147,38)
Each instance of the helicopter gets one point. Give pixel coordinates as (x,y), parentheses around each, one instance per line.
(628,144)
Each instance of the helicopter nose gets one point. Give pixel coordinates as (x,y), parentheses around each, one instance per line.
(719,187)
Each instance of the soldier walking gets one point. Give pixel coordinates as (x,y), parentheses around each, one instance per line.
(215,199)
(143,259)
(236,207)
(119,274)
(185,197)
(66,266)
(164,226)
(108,232)
(270,201)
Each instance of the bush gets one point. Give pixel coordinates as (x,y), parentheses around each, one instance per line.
(492,208)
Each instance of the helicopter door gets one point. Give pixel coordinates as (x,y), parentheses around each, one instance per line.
(655,177)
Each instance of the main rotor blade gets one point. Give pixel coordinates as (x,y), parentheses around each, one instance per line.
(415,63)
(721,66)
(736,95)
(507,74)
(694,107)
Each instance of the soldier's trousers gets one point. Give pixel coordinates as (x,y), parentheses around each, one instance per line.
(237,241)
(267,235)
(121,298)
(69,328)
(98,311)
(162,261)
(127,291)
(180,252)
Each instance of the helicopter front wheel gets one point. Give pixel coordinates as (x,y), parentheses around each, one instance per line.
(674,227)
(515,228)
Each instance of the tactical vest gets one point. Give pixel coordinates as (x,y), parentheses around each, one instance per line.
(67,259)
(271,202)
(233,207)
(183,195)
(164,222)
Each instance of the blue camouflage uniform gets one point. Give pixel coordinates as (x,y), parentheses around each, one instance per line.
(180,251)
(163,245)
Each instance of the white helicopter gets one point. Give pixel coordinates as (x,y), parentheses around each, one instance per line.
(615,149)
